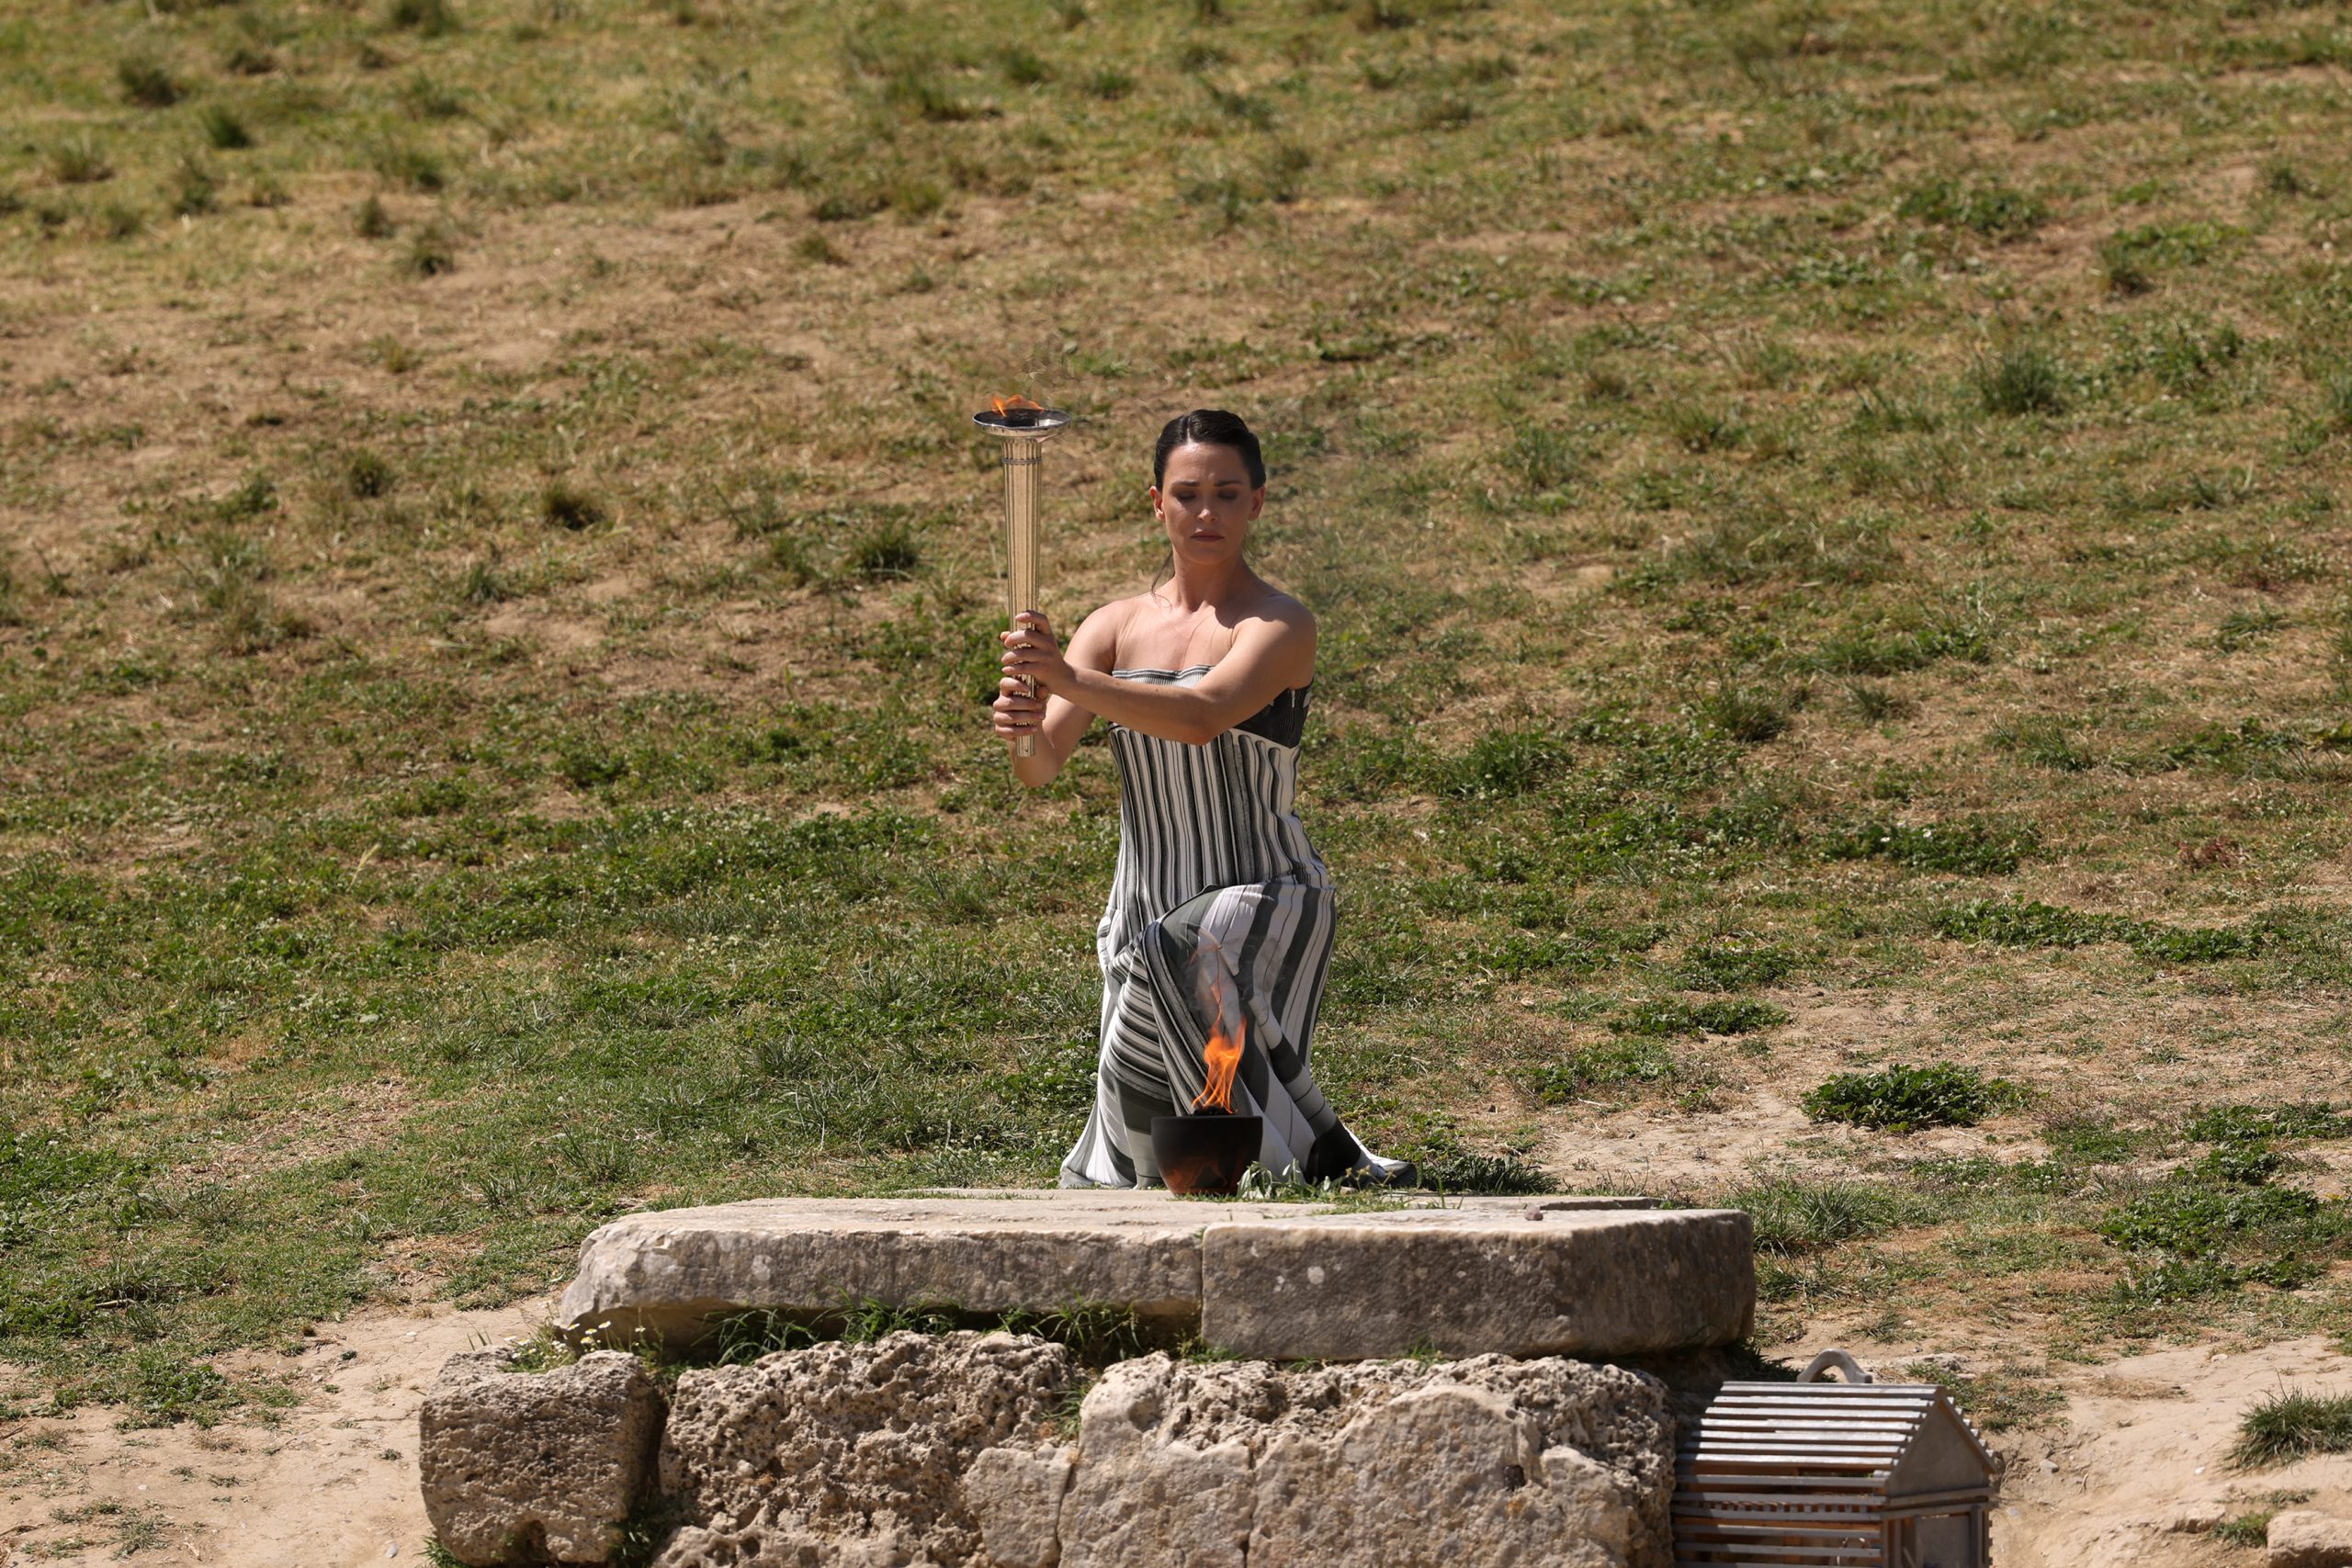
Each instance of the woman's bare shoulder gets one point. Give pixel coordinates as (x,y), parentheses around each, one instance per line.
(1098,635)
(1279,606)
(1114,616)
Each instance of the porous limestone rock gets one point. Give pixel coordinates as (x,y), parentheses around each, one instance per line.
(1157,1483)
(523,1466)
(1483,1462)
(845,1454)
(1016,1497)
(941,1451)
(2304,1537)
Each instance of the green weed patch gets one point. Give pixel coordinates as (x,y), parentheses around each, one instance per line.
(1600,1069)
(1730,963)
(2028,923)
(2260,1123)
(2133,258)
(1671,1017)
(1991,210)
(1903,1098)
(1968,847)
(1497,1175)
(1797,1216)
(2218,1223)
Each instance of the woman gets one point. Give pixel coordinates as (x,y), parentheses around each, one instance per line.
(1219,905)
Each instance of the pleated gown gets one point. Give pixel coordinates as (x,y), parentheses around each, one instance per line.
(1213,868)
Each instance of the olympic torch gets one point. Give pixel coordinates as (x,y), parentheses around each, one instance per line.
(1024,428)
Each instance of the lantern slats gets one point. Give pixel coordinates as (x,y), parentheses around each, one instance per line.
(1780,1471)
(1840,1472)
(1798,1529)
(1832,1393)
(1783,1501)
(1857,1556)
(1853,1548)
(1811,1421)
(1871,1542)
(1892,1421)
(1802,1453)
(1830,1440)
(1869,1414)
(1746,1518)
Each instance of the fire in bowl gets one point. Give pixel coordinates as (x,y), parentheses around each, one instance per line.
(1204,1156)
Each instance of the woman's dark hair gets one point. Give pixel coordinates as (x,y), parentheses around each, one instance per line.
(1209,427)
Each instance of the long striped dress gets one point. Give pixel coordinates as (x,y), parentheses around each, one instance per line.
(1214,869)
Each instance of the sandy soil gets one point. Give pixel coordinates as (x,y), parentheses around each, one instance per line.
(2138,1472)
(2134,1472)
(331,1485)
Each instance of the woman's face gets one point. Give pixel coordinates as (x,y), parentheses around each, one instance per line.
(1206,502)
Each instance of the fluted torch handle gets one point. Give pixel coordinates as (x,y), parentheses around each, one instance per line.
(1021,463)
(1023,427)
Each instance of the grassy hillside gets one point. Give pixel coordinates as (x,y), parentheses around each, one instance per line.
(1828,522)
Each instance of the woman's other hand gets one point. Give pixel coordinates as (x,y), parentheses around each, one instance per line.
(1017,713)
(1031,653)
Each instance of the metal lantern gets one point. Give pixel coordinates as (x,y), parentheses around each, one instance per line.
(1833,1475)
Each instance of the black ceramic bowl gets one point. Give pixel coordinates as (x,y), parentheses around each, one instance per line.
(1204,1156)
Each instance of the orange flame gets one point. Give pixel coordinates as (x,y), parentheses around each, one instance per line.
(1222,1056)
(1015,404)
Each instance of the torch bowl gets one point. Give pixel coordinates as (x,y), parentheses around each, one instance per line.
(1204,1156)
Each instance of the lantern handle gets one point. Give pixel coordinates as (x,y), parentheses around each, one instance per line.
(1839,1359)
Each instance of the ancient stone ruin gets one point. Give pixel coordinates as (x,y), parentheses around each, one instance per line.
(997,1449)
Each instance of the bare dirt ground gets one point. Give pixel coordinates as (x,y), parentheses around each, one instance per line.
(2134,1469)
(2137,1472)
(332,1483)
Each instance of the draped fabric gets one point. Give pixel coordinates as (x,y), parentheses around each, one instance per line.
(1214,869)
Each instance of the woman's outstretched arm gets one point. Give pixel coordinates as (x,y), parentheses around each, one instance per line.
(1269,656)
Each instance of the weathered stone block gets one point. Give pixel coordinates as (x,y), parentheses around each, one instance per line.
(851,1453)
(669,1270)
(1457,1465)
(2304,1537)
(1466,1281)
(1016,1497)
(1152,1486)
(516,1465)
(939,1451)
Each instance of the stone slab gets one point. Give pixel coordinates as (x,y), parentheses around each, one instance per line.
(1525,1276)
(1571,1283)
